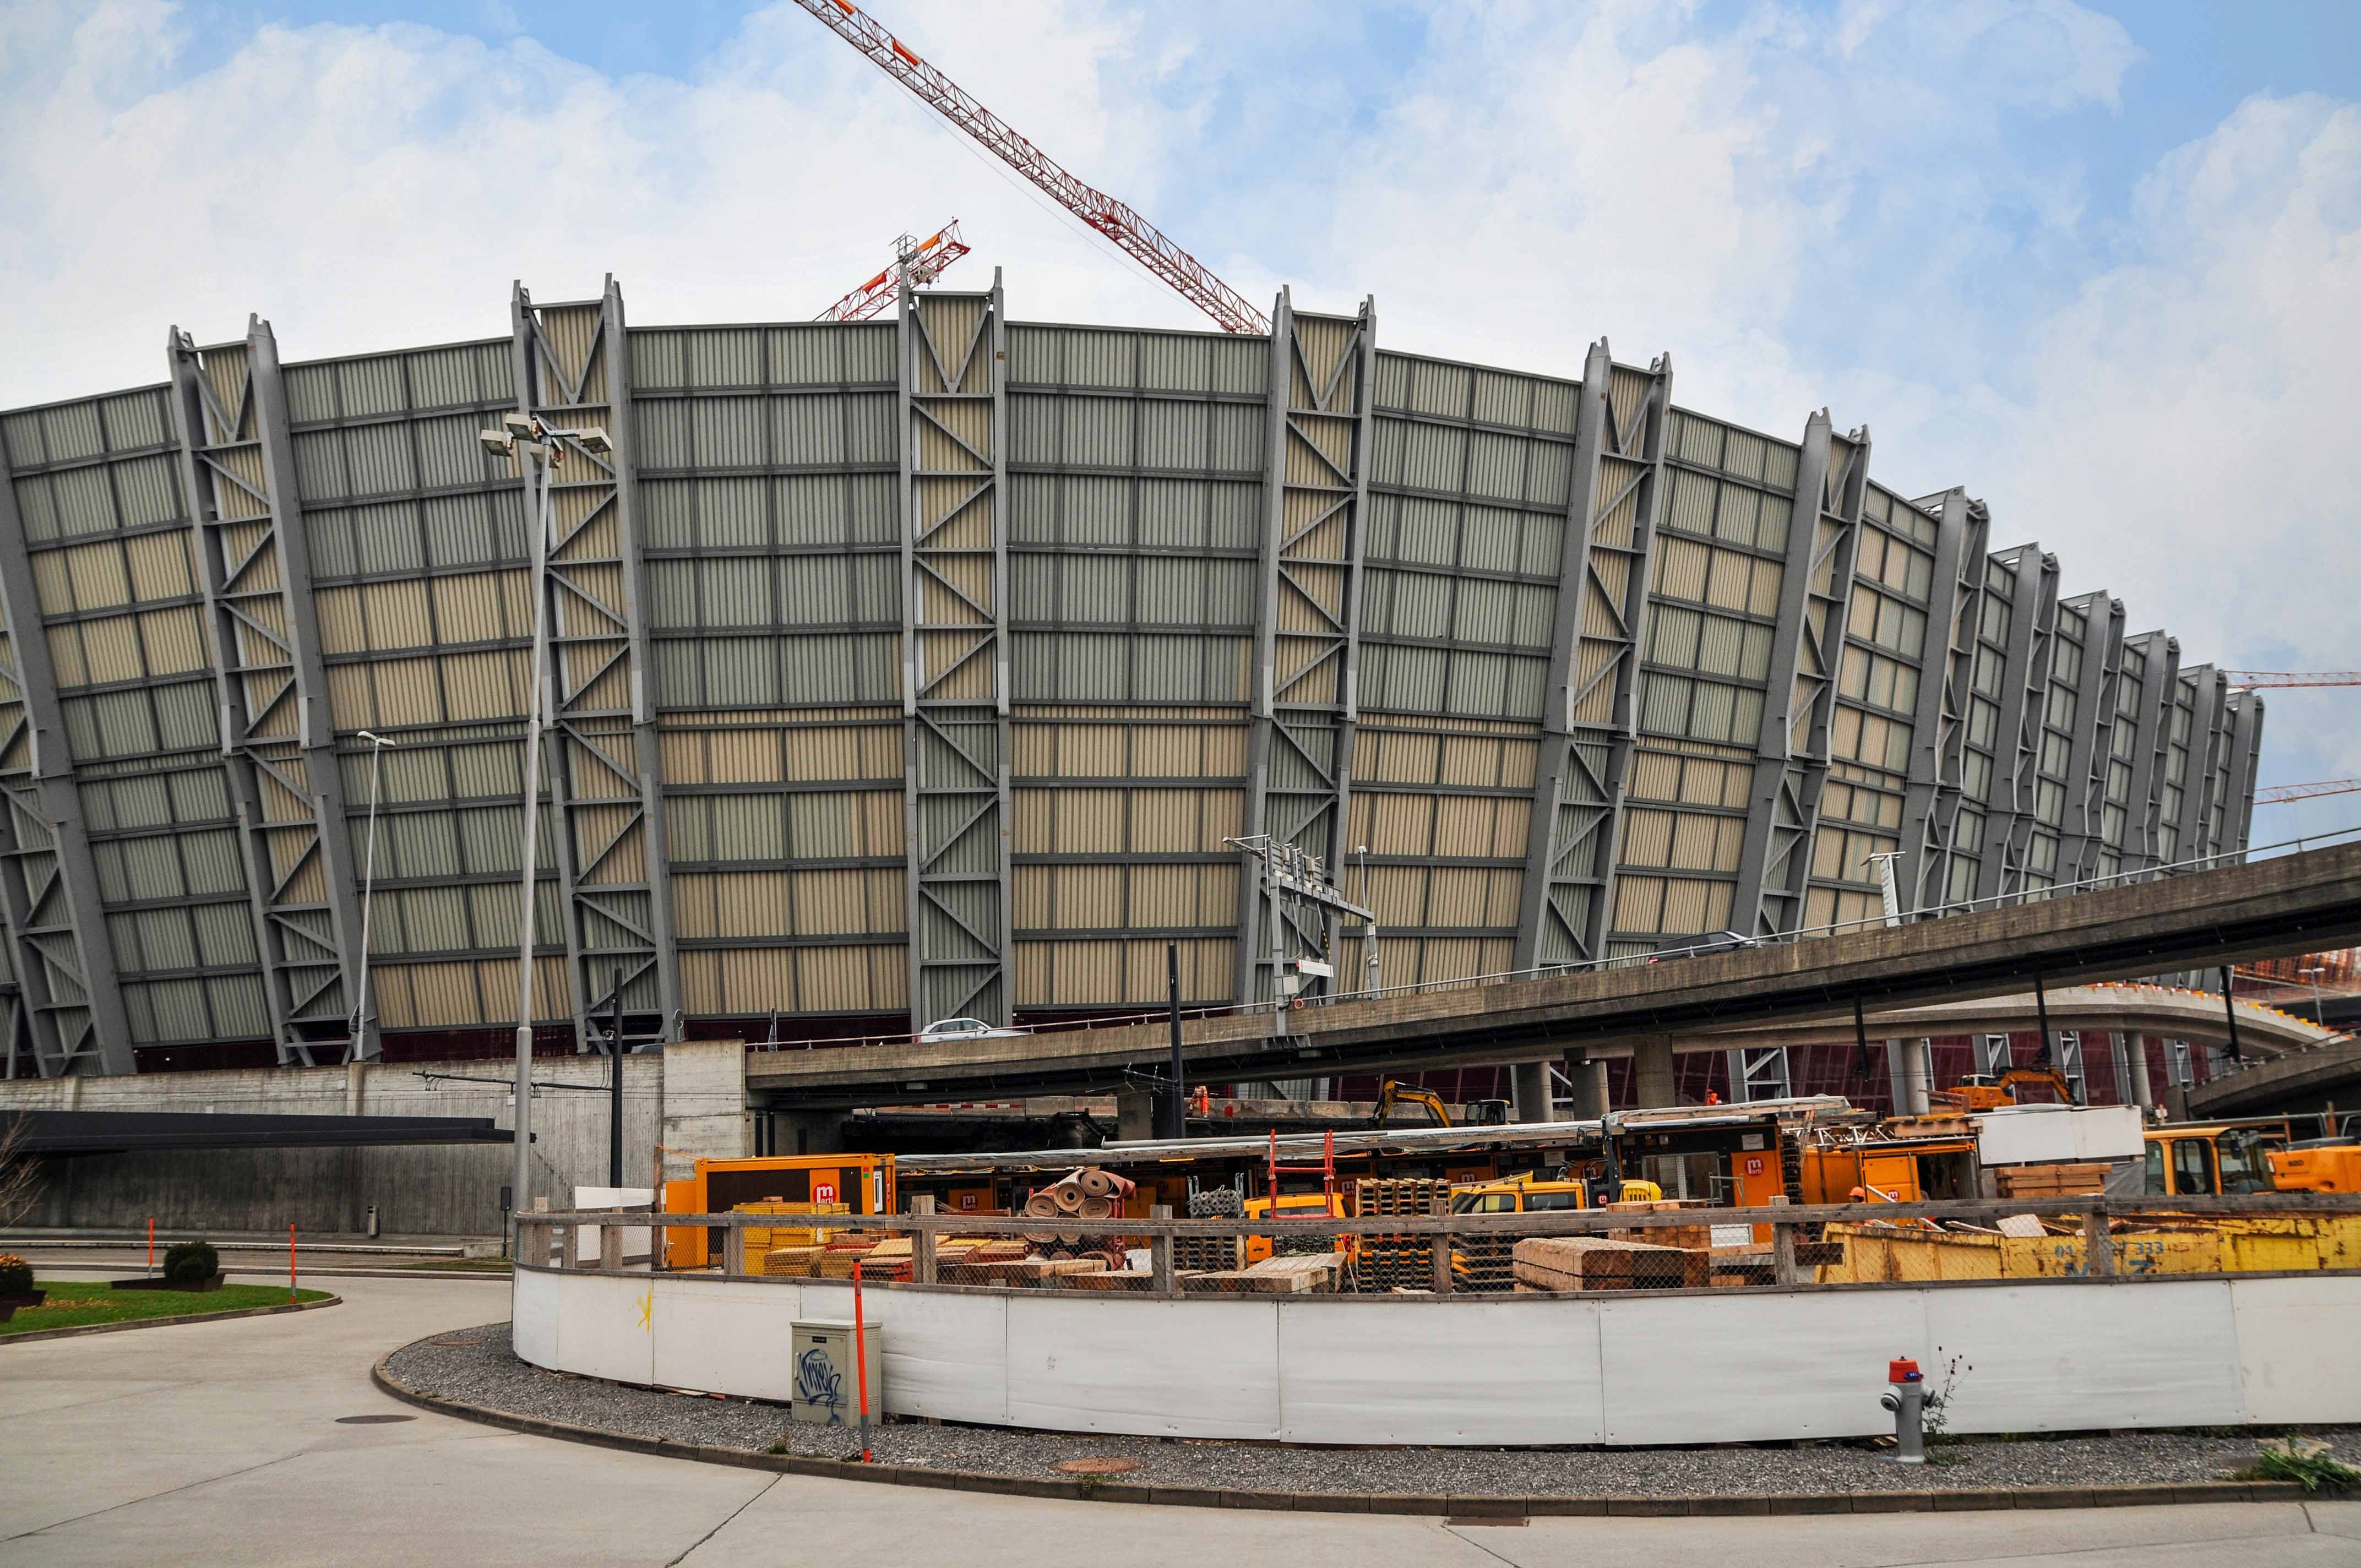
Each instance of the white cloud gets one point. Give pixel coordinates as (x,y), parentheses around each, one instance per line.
(1803,211)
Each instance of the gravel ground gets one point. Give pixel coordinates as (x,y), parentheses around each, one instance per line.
(477,1366)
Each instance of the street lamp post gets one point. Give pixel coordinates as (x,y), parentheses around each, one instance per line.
(360,1021)
(2314,975)
(543,448)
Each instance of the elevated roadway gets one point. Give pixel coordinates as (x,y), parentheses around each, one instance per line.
(2312,1079)
(2310,900)
(2107,1008)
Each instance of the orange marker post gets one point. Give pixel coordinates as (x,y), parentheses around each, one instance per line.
(290,1264)
(151,1243)
(861,1362)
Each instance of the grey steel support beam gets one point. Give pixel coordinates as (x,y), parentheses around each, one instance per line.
(64,954)
(2024,689)
(1791,765)
(2235,818)
(1307,632)
(954,377)
(2198,782)
(1604,567)
(1930,801)
(237,467)
(2082,838)
(2159,684)
(573,369)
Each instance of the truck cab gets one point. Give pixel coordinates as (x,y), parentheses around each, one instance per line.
(2212,1161)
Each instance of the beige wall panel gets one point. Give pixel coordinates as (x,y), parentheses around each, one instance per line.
(406,691)
(700,981)
(352,703)
(693,909)
(1090,973)
(1034,831)
(1639,901)
(1173,821)
(1681,567)
(756,980)
(1647,838)
(341,628)
(490,684)
(111,649)
(1087,898)
(473,608)
(1029,895)
(1654,776)
(1401,825)
(1089,821)
(1397,895)
(445,994)
(757,756)
(683,757)
(396,615)
(1166,896)
(1467,825)
(827,903)
(159,566)
(833,979)
(97,575)
(53,585)
(65,655)
(1090,750)
(1033,982)
(175,640)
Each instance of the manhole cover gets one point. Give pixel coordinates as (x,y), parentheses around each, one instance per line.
(1099,1466)
(370,1421)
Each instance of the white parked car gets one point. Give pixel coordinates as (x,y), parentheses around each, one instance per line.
(962,1029)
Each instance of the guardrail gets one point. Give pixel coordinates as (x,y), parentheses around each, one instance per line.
(1497,977)
(1678,1249)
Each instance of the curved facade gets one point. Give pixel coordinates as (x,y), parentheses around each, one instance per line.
(922,667)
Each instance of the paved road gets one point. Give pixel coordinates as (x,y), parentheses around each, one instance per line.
(222,1441)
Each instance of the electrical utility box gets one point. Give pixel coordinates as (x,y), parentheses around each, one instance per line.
(827,1374)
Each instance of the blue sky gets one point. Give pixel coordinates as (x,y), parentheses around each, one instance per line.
(2100,263)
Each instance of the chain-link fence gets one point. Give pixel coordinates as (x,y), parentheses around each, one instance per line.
(1400,1237)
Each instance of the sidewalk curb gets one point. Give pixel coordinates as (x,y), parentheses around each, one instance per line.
(1360,1502)
(76,1330)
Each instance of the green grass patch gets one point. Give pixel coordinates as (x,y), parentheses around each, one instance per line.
(75,1302)
(458,1265)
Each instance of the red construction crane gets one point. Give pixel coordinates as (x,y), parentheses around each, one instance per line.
(2249,680)
(2281,793)
(1143,240)
(921,260)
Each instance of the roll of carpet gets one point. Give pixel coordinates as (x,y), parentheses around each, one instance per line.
(1094,1182)
(1096,1209)
(1041,1206)
(1069,1198)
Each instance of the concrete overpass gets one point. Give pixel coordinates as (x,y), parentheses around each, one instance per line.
(2307,901)
(2314,1080)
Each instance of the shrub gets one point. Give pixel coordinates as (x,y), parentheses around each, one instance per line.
(191,1263)
(16,1275)
(2302,1459)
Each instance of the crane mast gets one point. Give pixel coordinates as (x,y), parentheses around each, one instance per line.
(1142,240)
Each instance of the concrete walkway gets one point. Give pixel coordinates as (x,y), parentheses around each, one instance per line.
(222,1440)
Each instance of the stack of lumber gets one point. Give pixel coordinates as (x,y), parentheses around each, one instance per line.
(789,1262)
(1291,1276)
(1398,1263)
(1698,1236)
(1109,1279)
(760,1241)
(1483,1262)
(2078,1180)
(1605,1263)
(1033,1272)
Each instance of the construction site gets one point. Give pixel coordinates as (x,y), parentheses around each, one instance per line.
(926,866)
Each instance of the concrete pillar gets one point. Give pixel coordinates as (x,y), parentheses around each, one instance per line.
(801,1132)
(1909,1066)
(1588,1076)
(1135,1115)
(1656,1082)
(2143,1091)
(355,1086)
(1529,1083)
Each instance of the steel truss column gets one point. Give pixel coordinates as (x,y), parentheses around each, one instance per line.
(2197,781)
(1930,801)
(1604,569)
(2024,691)
(1791,766)
(2238,790)
(2159,690)
(72,1016)
(1306,633)
(279,746)
(573,369)
(955,750)
(2084,837)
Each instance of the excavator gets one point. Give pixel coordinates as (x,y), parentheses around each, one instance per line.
(1989,1091)
(1393,1092)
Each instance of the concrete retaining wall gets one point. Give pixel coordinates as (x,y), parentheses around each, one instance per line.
(679,1098)
(1724,1367)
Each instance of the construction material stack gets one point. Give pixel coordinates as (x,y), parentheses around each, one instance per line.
(1206,1254)
(1389,1262)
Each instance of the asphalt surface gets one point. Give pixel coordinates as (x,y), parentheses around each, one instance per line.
(230,1442)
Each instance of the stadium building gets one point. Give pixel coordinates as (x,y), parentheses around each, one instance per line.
(924,667)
